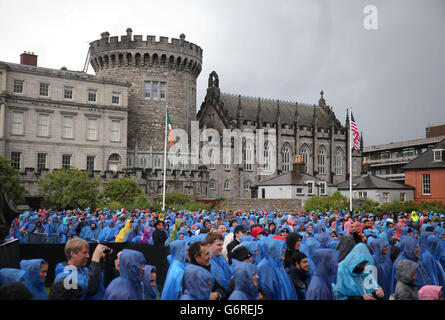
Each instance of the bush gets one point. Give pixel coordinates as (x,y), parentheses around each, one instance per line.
(178,201)
(333,202)
(123,190)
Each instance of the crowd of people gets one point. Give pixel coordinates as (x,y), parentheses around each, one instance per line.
(225,255)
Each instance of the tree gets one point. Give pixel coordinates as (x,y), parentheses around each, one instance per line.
(70,188)
(9,178)
(123,190)
(332,202)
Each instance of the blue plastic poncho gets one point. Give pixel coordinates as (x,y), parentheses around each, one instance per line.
(324,274)
(221,271)
(172,289)
(12,275)
(150,292)
(33,281)
(430,262)
(384,266)
(129,285)
(245,288)
(198,283)
(350,283)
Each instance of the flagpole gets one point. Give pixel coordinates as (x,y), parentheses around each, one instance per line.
(350,159)
(165,158)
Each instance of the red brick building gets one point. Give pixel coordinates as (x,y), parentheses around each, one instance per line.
(426,174)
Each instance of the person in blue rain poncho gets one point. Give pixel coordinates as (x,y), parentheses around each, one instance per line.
(308,246)
(246,282)
(92,233)
(149,279)
(129,285)
(219,268)
(384,265)
(324,275)
(135,231)
(431,263)
(37,270)
(353,282)
(172,289)
(12,275)
(197,283)
(107,233)
(273,277)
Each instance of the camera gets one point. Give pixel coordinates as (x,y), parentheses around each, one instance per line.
(107,250)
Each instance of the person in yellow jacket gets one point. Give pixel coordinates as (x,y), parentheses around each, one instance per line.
(126,229)
(414,216)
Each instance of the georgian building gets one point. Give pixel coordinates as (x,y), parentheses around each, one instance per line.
(52,119)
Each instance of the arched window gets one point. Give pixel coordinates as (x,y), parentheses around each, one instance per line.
(212,159)
(212,184)
(286,156)
(321,159)
(304,151)
(338,162)
(267,157)
(355,168)
(247,185)
(227,185)
(247,156)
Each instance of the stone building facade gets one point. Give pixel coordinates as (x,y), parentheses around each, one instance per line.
(58,118)
(309,130)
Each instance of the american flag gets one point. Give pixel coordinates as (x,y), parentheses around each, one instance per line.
(355,133)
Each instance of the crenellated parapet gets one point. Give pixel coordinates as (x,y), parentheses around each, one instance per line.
(135,51)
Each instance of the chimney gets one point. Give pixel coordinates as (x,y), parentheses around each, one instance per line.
(28,58)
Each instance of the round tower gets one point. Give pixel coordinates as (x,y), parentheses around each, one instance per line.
(159,72)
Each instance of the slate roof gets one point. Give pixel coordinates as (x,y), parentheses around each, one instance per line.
(370,181)
(290,178)
(426,159)
(249,107)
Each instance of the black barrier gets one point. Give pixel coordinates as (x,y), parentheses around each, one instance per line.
(54,253)
(9,254)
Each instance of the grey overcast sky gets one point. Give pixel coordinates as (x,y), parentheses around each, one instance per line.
(393,77)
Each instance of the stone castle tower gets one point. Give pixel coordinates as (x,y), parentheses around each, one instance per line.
(159,72)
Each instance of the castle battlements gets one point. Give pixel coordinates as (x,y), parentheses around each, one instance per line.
(129,50)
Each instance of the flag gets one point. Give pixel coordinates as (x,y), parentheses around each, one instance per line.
(355,134)
(169,127)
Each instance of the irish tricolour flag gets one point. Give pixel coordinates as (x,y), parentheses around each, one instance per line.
(169,127)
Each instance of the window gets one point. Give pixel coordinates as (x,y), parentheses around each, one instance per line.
(17,123)
(15,158)
(338,162)
(300,191)
(227,161)
(91,135)
(115,130)
(67,127)
(43,125)
(402,197)
(157,162)
(304,151)
(267,158)
(437,155)
(66,161)
(115,98)
(285,155)
(147,89)
(212,184)
(68,92)
(323,188)
(41,161)
(247,156)
(247,185)
(212,159)
(385,197)
(92,94)
(227,185)
(163,87)
(90,163)
(426,184)
(363,194)
(155,90)
(44,89)
(18,86)
(321,161)
(310,187)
